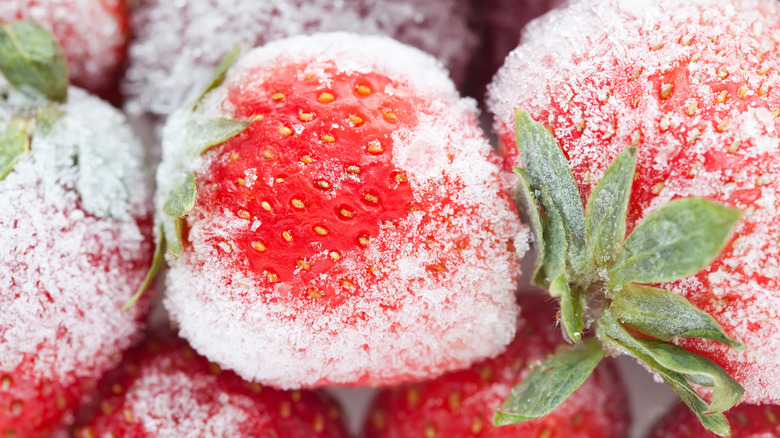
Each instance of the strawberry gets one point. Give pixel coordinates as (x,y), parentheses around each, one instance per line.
(461,403)
(339,196)
(177,45)
(685,94)
(747,421)
(164,388)
(76,241)
(93,33)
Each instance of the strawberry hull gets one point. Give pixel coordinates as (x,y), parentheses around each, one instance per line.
(356,232)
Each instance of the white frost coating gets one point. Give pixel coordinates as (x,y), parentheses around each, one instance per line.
(416,324)
(178,44)
(574,72)
(73,252)
(178,412)
(93,37)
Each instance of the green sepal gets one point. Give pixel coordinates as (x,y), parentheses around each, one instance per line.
(219,73)
(33,61)
(157,260)
(207,133)
(555,244)
(547,168)
(47,116)
(529,206)
(572,309)
(673,242)
(665,315)
(182,198)
(550,384)
(14,143)
(605,214)
(173,228)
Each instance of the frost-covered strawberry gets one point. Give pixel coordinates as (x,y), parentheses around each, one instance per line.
(163,388)
(689,93)
(178,44)
(355,231)
(747,421)
(462,404)
(75,227)
(93,34)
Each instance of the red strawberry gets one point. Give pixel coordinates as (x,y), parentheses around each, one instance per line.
(163,388)
(461,404)
(692,86)
(76,242)
(747,421)
(94,34)
(177,45)
(361,199)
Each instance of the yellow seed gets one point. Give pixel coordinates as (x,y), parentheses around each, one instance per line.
(486,373)
(326,98)
(234,156)
(318,424)
(692,107)
(363,241)
(305,117)
(743,91)
(5,383)
(476,425)
(82,433)
(545,433)
(306,159)
(255,387)
(413,396)
(438,268)
(666,91)
(770,416)
(297,203)
(272,276)
(285,131)
(268,155)
(734,146)
(379,419)
(279,180)
(285,409)
(116,388)
(335,255)
(722,96)
(277,97)
(295,396)
(375,147)
(266,206)
(577,419)
(259,246)
(322,184)
(355,120)
(764,90)
(453,400)
(658,187)
(314,293)
(328,138)
(348,283)
(430,431)
(302,263)
(635,74)
(389,115)
(723,72)
(287,236)
(664,124)
(353,170)
(322,231)
(128,414)
(309,76)
(400,177)
(723,124)
(243,214)
(215,369)
(345,212)
(241,182)
(370,197)
(363,90)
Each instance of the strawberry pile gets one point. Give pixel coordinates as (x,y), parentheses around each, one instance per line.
(352,197)
(76,241)
(93,33)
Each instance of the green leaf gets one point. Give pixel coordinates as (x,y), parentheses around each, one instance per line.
(550,384)
(182,197)
(531,210)
(32,61)
(14,143)
(47,116)
(207,133)
(219,73)
(157,259)
(572,309)
(673,242)
(665,315)
(555,244)
(605,217)
(173,228)
(547,168)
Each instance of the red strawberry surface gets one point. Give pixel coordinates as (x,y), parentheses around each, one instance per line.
(93,33)
(693,86)
(164,388)
(177,45)
(76,243)
(747,421)
(462,403)
(361,200)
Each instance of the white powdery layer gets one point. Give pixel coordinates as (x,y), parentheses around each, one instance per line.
(72,248)
(171,405)
(93,38)
(178,44)
(416,324)
(579,59)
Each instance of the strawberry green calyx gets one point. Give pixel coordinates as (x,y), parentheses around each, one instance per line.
(14,142)
(32,61)
(600,276)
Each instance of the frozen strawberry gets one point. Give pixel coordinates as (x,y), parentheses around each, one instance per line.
(687,91)
(462,403)
(75,227)
(747,421)
(355,231)
(163,388)
(94,34)
(177,45)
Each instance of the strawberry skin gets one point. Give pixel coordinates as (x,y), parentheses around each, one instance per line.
(696,94)
(461,404)
(164,388)
(362,199)
(93,33)
(747,421)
